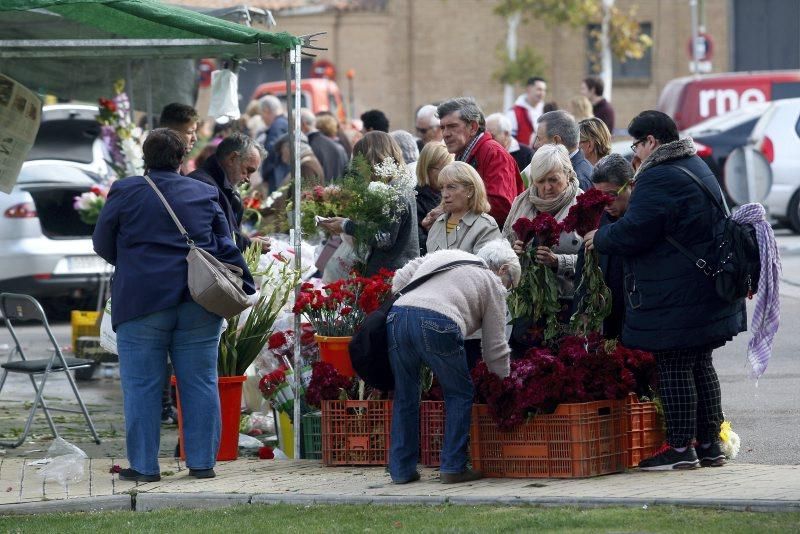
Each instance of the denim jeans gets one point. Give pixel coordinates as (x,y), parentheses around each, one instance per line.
(190,335)
(415,336)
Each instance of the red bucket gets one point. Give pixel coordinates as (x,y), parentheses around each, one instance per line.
(336,351)
(230,400)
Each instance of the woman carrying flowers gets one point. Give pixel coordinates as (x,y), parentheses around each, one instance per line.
(554,189)
(397,243)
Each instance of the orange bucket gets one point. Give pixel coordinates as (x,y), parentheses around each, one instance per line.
(336,351)
(230,400)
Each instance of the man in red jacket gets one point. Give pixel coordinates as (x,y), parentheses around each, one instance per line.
(464,132)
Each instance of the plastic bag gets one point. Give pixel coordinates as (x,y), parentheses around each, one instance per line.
(66,463)
(249,442)
(224,95)
(108,338)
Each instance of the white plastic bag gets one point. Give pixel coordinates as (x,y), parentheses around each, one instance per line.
(224,95)
(66,463)
(108,338)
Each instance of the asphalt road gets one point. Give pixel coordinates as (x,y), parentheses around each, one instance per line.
(765,413)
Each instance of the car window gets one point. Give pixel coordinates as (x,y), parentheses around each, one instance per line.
(728,121)
(56,173)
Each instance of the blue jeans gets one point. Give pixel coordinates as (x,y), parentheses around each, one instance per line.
(190,335)
(415,336)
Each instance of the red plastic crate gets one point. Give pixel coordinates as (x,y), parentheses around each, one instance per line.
(644,432)
(578,440)
(356,432)
(431,432)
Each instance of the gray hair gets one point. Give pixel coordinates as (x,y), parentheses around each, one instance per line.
(271,102)
(613,169)
(468,110)
(308,118)
(408,145)
(241,143)
(497,253)
(503,122)
(428,113)
(564,125)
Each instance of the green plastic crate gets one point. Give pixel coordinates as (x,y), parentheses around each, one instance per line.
(312,436)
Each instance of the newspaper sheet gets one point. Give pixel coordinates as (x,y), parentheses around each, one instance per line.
(20,115)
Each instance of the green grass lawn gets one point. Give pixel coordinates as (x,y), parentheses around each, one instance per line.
(282,519)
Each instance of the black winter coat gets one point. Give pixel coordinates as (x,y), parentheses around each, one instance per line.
(427,199)
(670,303)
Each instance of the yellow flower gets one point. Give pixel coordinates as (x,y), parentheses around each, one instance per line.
(725,431)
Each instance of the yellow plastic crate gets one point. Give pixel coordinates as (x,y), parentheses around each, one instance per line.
(84,323)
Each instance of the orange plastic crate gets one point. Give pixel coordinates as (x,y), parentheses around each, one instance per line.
(578,440)
(643,429)
(356,432)
(431,432)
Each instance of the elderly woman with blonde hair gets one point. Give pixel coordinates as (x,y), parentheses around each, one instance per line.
(595,139)
(465,223)
(554,189)
(432,159)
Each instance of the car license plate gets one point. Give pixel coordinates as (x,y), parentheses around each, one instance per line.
(85,264)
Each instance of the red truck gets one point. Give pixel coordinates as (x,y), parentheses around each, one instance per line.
(694,99)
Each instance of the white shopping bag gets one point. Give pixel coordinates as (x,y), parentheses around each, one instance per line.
(108,338)
(224,95)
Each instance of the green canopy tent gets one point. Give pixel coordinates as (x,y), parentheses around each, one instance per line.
(147,29)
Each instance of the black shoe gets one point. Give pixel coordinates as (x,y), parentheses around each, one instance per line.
(202,473)
(711,456)
(468,475)
(667,458)
(135,476)
(412,478)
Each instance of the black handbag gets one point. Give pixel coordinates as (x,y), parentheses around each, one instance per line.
(737,266)
(369,347)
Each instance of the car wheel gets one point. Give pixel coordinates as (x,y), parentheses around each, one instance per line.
(793,213)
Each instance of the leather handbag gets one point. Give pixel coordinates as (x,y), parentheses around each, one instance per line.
(214,285)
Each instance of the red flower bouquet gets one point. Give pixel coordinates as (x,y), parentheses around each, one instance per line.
(340,308)
(579,370)
(328,384)
(536,296)
(592,294)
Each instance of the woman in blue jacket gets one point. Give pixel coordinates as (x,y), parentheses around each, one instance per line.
(152,311)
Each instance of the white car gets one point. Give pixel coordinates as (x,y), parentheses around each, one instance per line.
(777,136)
(45,248)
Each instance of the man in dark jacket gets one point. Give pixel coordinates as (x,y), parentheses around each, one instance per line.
(592,88)
(561,128)
(672,308)
(331,155)
(277,125)
(237,157)
(464,132)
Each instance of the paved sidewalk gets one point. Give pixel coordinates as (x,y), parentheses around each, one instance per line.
(250,481)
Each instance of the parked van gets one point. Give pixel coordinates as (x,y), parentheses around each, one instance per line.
(316,94)
(694,99)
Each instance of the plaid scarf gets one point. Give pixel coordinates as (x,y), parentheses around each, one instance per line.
(464,155)
(767,313)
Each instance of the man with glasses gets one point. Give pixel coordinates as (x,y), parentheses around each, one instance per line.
(672,308)
(427,126)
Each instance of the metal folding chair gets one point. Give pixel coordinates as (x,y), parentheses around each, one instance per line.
(25,309)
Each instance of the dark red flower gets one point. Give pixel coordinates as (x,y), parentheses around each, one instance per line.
(523,228)
(277,340)
(584,215)
(266,453)
(547,230)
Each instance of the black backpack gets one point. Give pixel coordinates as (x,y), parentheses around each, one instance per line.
(369,348)
(737,267)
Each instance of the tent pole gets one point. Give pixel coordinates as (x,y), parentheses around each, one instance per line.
(292,59)
(149,95)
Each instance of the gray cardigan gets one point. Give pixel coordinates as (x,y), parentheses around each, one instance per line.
(471,234)
(398,245)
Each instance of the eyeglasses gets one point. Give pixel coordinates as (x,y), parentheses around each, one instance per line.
(637,143)
(422,131)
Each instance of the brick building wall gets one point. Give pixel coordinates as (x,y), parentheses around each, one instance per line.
(417,51)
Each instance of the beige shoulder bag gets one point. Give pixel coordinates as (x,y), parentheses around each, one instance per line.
(214,285)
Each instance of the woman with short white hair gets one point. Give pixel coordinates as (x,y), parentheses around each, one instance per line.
(554,189)
(428,325)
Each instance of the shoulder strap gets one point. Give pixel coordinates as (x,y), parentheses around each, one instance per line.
(416,283)
(181,229)
(723,207)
